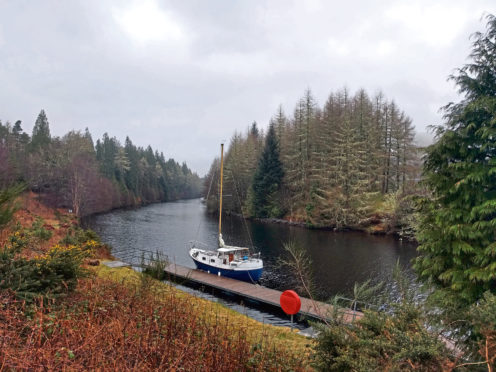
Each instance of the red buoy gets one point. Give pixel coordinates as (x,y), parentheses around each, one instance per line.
(290,302)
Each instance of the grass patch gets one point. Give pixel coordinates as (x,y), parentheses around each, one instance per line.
(58,314)
(256,332)
(122,320)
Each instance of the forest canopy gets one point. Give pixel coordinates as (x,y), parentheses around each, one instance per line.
(340,163)
(73,172)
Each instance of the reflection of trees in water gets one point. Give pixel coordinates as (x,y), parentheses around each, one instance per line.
(340,259)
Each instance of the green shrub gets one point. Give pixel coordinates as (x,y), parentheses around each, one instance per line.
(87,235)
(155,265)
(76,235)
(8,204)
(18,240)
(396,339)
(48,276)
(482,318)
(68,239)
(39,231)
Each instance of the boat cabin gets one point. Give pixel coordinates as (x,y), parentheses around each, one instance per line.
(227,257)
(229,254)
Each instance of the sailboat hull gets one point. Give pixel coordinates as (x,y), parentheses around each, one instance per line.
(231,262)
(244,275)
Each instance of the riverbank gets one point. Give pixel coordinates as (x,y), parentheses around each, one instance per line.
(136,204)
(119,319)
(373,225)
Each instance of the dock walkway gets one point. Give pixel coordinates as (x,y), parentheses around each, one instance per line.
(310,308)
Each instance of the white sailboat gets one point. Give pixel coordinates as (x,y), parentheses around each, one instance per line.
(229,261)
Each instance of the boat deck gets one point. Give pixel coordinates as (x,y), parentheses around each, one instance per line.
(309,308)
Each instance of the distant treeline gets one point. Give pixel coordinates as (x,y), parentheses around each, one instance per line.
(73,172)
(330,166)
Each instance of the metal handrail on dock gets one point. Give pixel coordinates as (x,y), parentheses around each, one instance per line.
(310,308)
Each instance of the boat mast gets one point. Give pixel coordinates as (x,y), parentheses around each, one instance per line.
(221,242)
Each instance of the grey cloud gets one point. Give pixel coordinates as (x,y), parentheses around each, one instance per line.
(238,62)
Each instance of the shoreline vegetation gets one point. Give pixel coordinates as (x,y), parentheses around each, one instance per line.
(373,226)
(73,172)
(351,161)
(70,311)
(351,164)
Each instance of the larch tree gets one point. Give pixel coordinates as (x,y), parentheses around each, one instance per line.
(240,164)
(407,154)
(298,153)
(324,190)
(338,161)
(351,179)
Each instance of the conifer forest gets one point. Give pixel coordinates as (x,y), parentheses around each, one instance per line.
(306,192)
(75,173)
(336,166)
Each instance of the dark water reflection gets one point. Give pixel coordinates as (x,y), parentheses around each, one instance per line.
(339,258)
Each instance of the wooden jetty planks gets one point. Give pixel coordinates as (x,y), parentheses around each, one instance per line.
(256,292)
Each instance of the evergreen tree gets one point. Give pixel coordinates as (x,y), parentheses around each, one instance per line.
(88,136)
(399,339)
(106,152)
(350,165)
(254,130)
(457,234)
(268,179)
(41,132)
(69,170)
(237,177)
(296,173)
(7,203)
(132,176)
(337,161)
(17,128)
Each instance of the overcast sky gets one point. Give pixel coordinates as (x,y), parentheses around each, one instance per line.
(184,75)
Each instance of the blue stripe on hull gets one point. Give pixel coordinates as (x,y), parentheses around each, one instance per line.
(244,275)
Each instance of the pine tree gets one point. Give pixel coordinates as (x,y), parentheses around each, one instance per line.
(41,132)
(457,234)
(17,128)
(336,160)
(268,179)
(254,130)
(132,176)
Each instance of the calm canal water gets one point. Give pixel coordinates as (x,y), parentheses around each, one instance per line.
(340,259)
